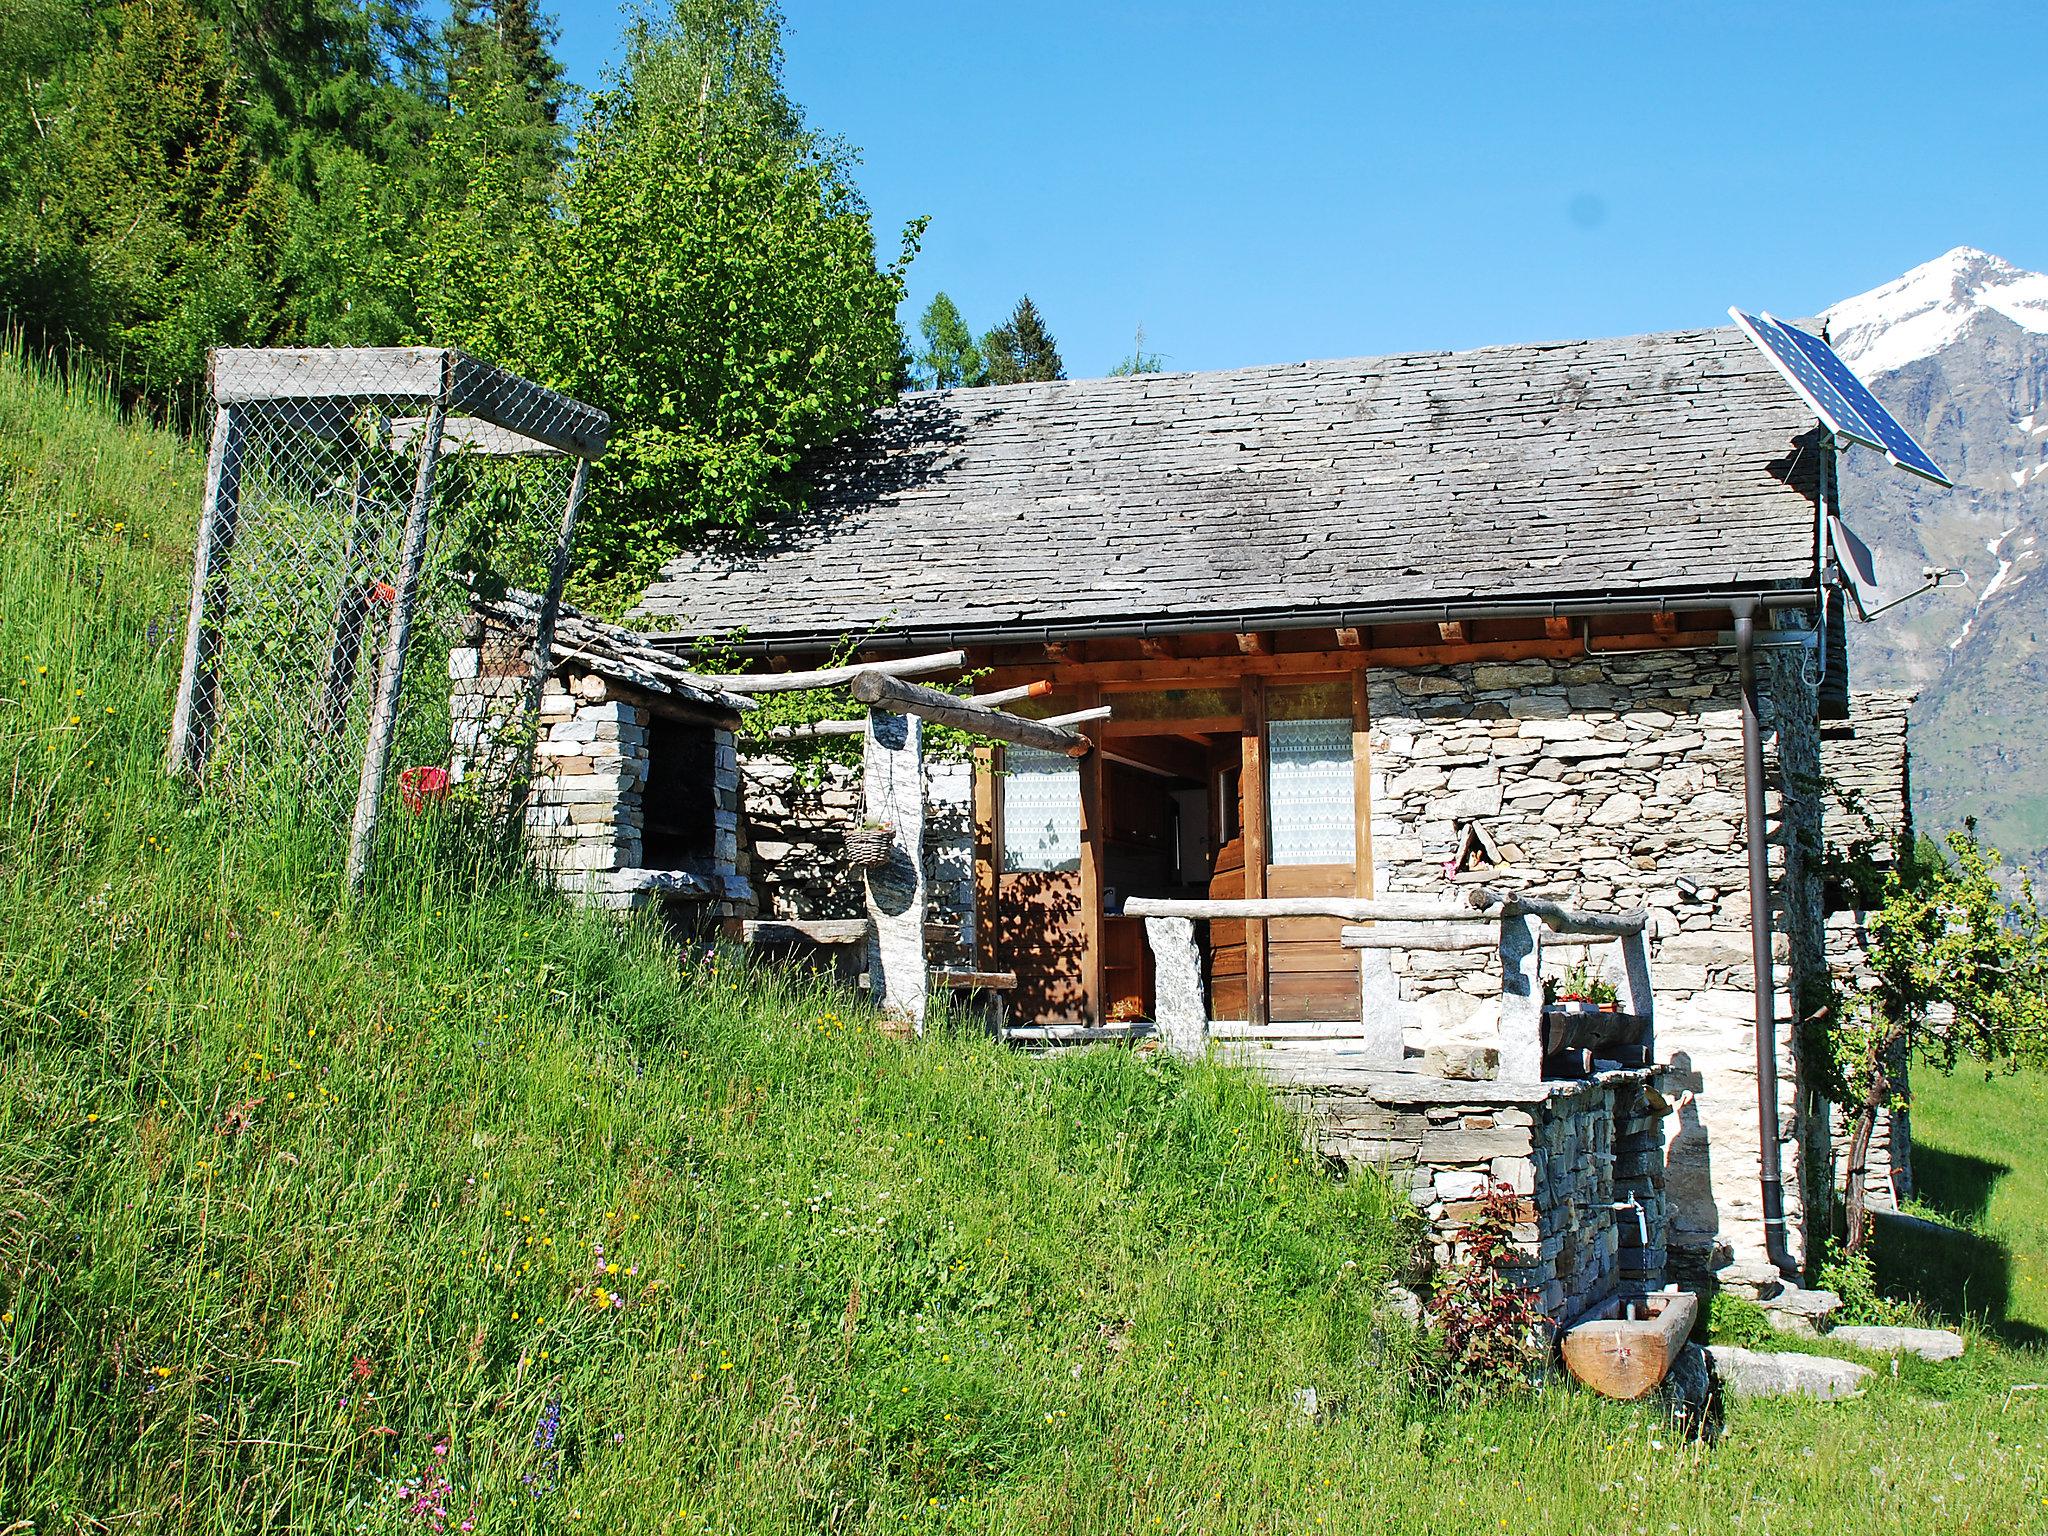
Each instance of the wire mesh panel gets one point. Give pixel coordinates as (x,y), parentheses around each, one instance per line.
(356,500)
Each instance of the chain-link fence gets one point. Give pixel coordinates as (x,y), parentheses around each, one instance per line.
(355,499)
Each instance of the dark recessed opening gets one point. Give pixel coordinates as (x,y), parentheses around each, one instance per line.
(681,796)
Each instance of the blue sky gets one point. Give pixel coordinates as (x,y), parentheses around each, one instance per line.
(1267,182)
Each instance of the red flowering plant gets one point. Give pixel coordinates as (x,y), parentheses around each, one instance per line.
(1489,1329)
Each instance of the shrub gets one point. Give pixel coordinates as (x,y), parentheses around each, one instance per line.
(1488,1327)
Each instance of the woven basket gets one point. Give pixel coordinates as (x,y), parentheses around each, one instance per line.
(868,846)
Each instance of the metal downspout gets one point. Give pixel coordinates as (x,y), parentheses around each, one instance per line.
(1769,1169)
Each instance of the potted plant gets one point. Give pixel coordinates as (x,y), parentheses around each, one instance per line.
(869,843)
(1582,990)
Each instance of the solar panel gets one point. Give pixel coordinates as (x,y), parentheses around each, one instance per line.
(1836,413)
(1895,440)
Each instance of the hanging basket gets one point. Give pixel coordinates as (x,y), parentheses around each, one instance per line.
(868,846)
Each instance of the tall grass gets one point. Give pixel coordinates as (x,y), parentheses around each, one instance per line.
(455,1206)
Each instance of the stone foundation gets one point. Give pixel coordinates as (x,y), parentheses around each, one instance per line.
(1575,1153)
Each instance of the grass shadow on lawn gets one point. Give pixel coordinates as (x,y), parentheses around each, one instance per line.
(1955,1273)
(1956,1184)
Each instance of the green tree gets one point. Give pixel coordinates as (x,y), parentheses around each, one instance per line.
(1959,961)
(950,358)
(1021,350)
(707,274)
(1140,361)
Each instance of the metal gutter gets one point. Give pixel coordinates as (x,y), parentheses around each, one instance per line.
(756,643)
(1770,1172)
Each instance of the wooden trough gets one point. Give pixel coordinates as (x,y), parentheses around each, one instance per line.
(1627,1348)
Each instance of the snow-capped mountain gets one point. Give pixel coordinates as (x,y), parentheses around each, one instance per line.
(1932,307)
(1958,350)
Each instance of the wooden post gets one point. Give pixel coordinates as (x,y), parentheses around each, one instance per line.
(1252,790)
(1181,1013)
(1521,998)
(391,672)
(892,775)
(988,823)
(197,712)
(1094,837)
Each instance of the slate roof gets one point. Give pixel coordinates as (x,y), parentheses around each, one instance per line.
(1657,465)
(591,645)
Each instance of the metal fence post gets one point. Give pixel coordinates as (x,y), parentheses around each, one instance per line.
(196,714)
(391,672)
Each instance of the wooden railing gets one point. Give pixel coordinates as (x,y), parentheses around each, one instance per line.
(1516,927)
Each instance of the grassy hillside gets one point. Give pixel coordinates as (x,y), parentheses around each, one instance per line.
(1978,1166)
(459,1210)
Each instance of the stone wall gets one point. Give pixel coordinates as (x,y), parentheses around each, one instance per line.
(1611,782)
(585,813)
(1866,765)
(1575,1153)
(795,824)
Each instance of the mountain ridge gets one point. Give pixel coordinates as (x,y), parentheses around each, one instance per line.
(1957,348)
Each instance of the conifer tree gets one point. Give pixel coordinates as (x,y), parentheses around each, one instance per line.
(1021,350)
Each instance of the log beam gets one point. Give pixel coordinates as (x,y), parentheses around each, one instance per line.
(880,690)
(836,677)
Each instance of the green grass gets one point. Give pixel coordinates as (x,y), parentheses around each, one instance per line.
(1978,1168)
(298,1201)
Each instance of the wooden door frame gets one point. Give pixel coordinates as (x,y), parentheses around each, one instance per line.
(1252,818)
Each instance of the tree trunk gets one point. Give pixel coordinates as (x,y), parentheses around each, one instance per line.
(1855,1185)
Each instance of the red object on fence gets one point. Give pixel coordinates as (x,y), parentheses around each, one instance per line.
(383,592)
(417,787)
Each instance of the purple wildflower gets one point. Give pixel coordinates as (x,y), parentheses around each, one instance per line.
(547,1425)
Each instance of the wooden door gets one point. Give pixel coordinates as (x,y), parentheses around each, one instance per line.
(1039,928)
(1313,762)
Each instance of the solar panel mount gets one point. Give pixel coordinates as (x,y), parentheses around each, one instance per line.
(1843,402)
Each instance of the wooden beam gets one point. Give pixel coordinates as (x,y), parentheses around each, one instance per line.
(1200,725)
(1037,690)
(1665,624)
(1557,628)
(1078,716)
(1062,652)
(1350,909)
(1361,781)
(811,730)
(1095,813)
(1195,671)
(962,981)
(1453,632)
(1349,639)
(880,690)
(836,677)
(1158,650)
(1255,645)
(1252,747)
(988,819)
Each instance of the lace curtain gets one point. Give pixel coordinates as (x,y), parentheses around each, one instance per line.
(1310,792)
(1041,810)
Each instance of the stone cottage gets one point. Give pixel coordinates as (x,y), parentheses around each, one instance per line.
(1548,620)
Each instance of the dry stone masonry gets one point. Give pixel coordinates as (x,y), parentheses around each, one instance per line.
(1585,1159)
(593,760)
(1612,782)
